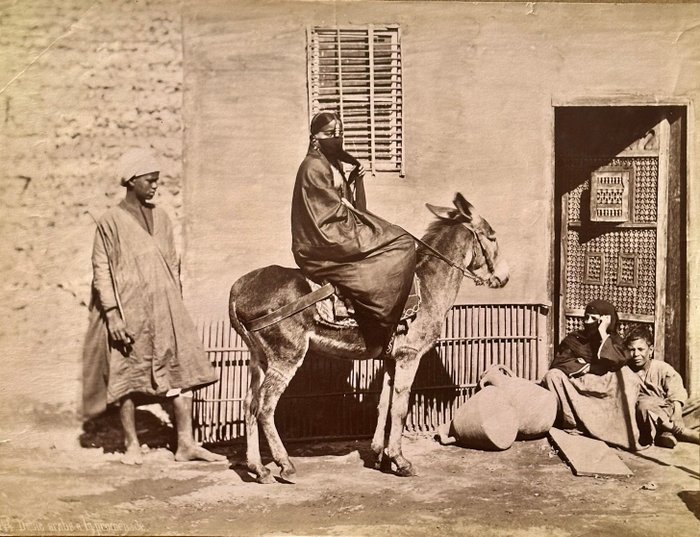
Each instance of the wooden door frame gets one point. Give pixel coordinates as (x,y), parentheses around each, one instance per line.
(692,261)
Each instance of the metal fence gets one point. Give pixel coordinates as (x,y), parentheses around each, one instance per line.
(338,398)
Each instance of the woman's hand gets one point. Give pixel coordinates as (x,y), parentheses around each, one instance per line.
(603,325)
(357,172)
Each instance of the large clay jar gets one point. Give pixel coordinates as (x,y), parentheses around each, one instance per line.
(536,407)
(485,421)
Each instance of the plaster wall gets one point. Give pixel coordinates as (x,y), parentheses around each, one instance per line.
(80,82)
(480,84)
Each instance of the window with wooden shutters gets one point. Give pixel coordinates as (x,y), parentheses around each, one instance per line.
(356,72)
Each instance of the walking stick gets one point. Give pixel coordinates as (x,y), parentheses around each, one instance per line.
(130,339)
(111,268)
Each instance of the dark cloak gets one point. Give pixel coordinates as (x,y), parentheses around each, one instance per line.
(579,349)
(368,259)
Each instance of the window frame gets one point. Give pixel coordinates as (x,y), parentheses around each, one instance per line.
(379,88)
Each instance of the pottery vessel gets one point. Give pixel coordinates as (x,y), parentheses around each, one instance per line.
(485,421)
(535,407)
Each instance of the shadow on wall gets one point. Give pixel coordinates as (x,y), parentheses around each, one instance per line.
(598,134)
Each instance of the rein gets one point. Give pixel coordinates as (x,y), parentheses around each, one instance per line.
(327,290)
(464,270)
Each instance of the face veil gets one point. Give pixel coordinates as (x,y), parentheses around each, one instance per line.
(332,145)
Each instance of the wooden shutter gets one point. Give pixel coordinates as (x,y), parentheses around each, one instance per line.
(356,72)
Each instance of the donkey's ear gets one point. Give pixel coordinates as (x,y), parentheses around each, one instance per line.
(465,208)
(444,213)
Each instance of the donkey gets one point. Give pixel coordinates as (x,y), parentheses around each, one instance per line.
(459,243)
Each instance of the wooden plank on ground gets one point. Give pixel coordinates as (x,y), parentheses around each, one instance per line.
(587,456)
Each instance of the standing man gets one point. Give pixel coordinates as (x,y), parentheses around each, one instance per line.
(335,239)
(140,338)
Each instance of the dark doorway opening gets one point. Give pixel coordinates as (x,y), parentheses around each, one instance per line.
(620,218)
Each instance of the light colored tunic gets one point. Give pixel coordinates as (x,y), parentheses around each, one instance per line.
(662,381)
(661,387)
(166,353)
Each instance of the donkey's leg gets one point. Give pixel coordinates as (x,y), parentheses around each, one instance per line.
(252,399)
(406,366)
(381,432)
(270,392)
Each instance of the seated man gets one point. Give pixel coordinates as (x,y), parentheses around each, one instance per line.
(369,260)
(662,395)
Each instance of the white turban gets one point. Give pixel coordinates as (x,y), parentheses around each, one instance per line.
(136,162)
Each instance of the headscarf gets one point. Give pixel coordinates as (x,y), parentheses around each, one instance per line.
(322,119)
(602,307)
(135,162)
(586,344)
(332,148)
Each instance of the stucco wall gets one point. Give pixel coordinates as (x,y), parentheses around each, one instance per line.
(479,83)
(80,81)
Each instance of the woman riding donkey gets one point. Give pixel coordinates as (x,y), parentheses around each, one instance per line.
(369,260)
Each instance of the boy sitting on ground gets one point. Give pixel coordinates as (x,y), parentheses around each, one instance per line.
(661,395)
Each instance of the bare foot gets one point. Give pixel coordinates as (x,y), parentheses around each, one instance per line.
(197,453)
(132,455)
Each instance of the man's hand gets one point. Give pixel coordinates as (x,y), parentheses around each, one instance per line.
(677,415)
(117,328)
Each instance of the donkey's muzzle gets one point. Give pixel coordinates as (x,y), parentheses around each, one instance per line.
(500,277)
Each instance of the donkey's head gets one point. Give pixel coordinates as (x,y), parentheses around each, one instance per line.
(483,260)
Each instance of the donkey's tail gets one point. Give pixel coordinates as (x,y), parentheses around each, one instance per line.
(237,324)
(251,403)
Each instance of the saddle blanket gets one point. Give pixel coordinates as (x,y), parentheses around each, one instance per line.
(335,311)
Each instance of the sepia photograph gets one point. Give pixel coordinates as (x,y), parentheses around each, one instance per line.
(352,268)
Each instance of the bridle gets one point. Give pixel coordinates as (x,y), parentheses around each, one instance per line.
(463,269)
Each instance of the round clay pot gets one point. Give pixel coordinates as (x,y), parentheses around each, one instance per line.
(485,421)
(536,407)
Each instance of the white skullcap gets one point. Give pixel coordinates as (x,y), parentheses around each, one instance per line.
(135,162)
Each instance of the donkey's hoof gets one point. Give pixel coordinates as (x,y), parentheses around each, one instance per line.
(383,464)
(406,471)
(265,477)
(289,474)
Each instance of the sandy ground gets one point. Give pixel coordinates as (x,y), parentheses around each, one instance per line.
(50,485)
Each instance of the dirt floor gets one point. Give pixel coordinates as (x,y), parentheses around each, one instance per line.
(50,485)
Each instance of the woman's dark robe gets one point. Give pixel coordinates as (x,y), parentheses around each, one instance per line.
(368,259)
(596,391)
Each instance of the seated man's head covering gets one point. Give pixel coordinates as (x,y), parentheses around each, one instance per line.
(135,162)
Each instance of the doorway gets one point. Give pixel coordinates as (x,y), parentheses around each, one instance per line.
(620,219)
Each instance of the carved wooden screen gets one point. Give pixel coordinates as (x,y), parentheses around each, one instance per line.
(613,232)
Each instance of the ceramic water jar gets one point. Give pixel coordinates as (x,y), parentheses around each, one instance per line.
(535,407)
(485,421)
